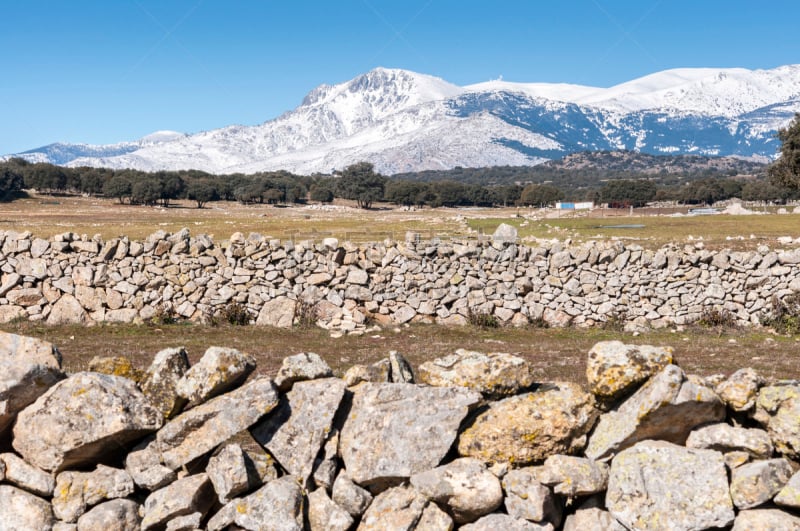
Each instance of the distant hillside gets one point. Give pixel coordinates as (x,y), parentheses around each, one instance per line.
(588,169)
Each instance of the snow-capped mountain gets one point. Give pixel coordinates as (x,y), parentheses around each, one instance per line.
(404,121)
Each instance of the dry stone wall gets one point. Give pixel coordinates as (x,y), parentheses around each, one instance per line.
(80,280)
(641,446)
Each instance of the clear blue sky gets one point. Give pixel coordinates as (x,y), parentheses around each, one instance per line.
(112,70)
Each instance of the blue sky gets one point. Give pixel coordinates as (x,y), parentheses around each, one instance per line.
(113,70)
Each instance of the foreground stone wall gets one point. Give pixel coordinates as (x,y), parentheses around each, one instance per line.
(80,280)
(475,444)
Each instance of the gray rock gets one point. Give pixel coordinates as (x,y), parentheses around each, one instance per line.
(81,419)
(379,372)
(189,522)
(614,368)
(303,366)
(495,522)
(145,466)
(434,519)
(573,476)
(199,430)
(789,495)
(277,506)
(114,515)
(228,472)
(726,438)
(296,430)
(25,476)
(67,310)
(778,408)
(740,390)
(766,520)
(278,313)
(667,408)
(325,515)
(464,486)
(527,499)
(756,483)
(76,491)
(395,509)
(219,370)
(184,496)
(21,510)
(526,428)
(327,464)
(350,496)
(505,233)
(401,371)
(29,367)
(160,383)
(659,485)
(396,430)
(590,516)
(495,374)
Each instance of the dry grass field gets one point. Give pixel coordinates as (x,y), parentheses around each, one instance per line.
(559,354)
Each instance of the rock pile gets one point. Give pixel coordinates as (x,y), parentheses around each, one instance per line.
(345,287)
(207,447)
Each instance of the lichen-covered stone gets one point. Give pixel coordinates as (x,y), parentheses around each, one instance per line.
(591,516)
(789,495)
(434,519)
(184,496)
(495,374)
(115,366)
(325,515)
(21,510)
(296,430)
(145,466)
(76,491)
(464,486)
(573,476)
(661,486)
(397,508)
(666,408)
(756,483)
(82,418)
(527,428)
(303,366)
(778,409)
(396,430)
(201,429)
(219,370)
(527,499)
(228,472)
(740,390)
(350,496)
(29,367)
(614,368)
(766,520)
(26,476)
(277,506)
(114,515)
(726,438)
(160,382)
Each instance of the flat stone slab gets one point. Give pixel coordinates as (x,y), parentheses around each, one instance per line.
(395,430)
(495,374)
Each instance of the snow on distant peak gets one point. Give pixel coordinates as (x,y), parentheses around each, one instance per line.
(157,137)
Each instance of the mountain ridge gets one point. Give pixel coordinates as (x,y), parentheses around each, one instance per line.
(406,121)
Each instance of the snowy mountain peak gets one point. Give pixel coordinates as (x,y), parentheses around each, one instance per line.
(406,121)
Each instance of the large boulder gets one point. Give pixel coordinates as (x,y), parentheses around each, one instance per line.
(296,430)
(464,487)
(219,370)
(278,313)
(527,428)
(658,485)
(668,407)
(28,368)
(82,418)
(495,374)
(614,368)
(396,430)
(22,510)
(778,408)
(199,430)
(67,310)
